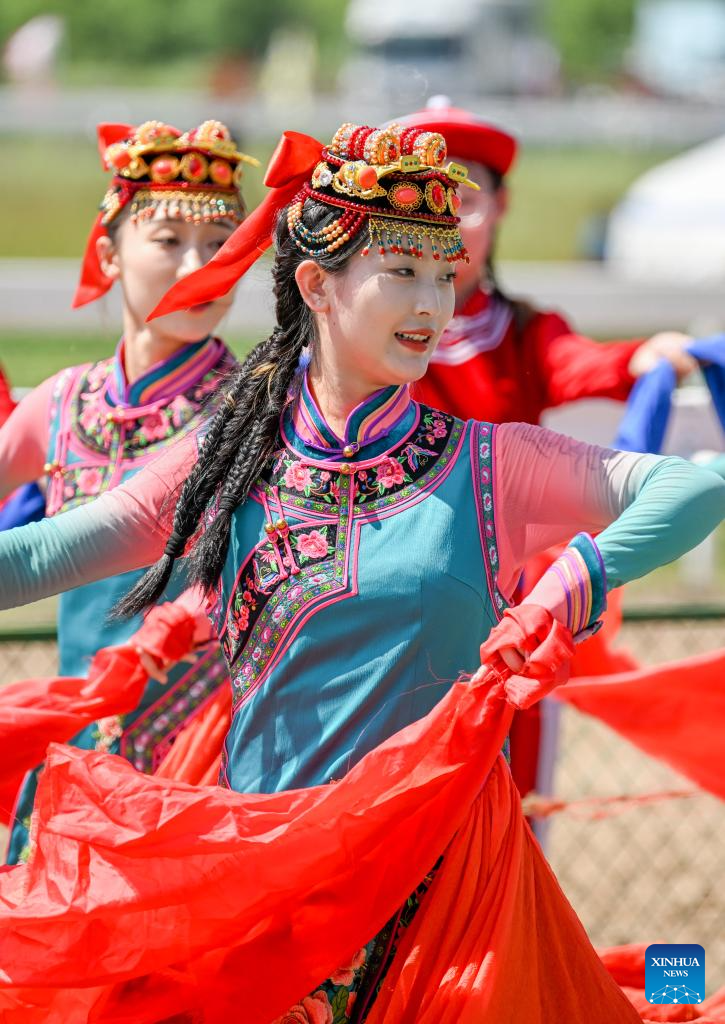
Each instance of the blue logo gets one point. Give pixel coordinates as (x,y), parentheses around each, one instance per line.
(674,973)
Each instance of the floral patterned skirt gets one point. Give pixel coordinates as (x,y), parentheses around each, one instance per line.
(349,993)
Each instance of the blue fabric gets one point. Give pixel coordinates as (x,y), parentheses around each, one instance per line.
(26,505)
(710,352)
(669,507)
(648,409)
(647,413)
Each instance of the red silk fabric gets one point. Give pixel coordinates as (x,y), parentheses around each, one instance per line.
(292,163)
(36,712)
(147,897)
(93,283)
(673,712)
(548,648)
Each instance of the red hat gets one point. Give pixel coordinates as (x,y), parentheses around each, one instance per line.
(468,137)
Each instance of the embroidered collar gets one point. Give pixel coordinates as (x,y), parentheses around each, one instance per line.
(164,380)
(382,418)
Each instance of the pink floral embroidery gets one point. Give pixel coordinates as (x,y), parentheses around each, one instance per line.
(390,473)
(90,418)
(108,731)
(155,427)
(297,477)
(439,429)
(313,1009)
(90,481)
(312,544)
(97,374)
(346,975)
(181,408)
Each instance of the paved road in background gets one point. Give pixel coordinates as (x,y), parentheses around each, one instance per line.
(36,295)
(601,120)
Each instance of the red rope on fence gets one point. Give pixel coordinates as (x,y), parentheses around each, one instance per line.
(595,807)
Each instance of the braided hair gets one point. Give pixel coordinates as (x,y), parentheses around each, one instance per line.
(244,433)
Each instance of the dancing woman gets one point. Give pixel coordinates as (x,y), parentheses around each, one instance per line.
(357,546)
(173,201)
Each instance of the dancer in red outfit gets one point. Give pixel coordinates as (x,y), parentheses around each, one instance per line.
(501,357)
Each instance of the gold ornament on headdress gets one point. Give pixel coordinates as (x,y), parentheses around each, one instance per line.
(194,175)
(396,179)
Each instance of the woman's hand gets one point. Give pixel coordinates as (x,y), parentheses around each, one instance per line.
(166,637)
(669,345)
(514,658)
(535,649)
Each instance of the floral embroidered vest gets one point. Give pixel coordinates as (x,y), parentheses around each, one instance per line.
(360,582)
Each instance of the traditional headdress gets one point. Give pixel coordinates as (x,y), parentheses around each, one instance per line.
(468,136)
(192,175)
(395,182)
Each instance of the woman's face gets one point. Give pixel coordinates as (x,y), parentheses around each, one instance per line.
(480,214)
(385,315)
(149,256)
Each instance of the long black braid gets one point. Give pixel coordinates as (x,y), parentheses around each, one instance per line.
(244,433)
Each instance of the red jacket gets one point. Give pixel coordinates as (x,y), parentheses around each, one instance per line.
(6,401)
(502,362)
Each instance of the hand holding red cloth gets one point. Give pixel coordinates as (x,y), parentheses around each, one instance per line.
(167,633)
(171,899)
(545,644)
(36,712)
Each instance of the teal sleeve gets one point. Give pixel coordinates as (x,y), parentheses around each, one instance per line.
(105,537)
(716,465)
(670,506)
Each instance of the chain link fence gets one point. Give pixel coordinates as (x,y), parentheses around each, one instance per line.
(647,872)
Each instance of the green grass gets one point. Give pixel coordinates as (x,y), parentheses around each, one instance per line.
(554,193)
(29,357)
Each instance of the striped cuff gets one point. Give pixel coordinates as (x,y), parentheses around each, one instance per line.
(580,571)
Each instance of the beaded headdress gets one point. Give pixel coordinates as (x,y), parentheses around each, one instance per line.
(393,181)
(194,176)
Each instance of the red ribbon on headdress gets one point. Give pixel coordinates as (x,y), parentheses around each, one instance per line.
(291,165)
(93,282)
